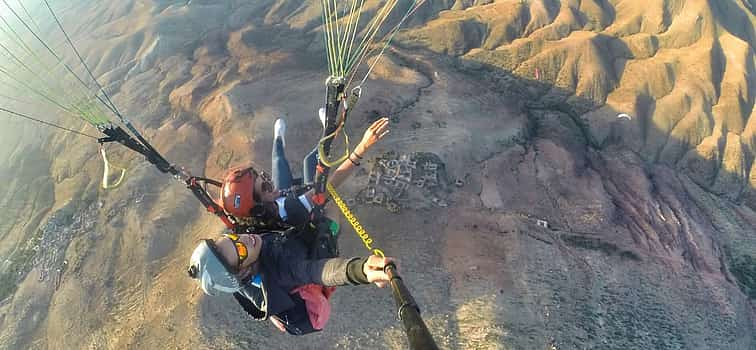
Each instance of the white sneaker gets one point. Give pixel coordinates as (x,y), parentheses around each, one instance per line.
(279,129)
(322,116)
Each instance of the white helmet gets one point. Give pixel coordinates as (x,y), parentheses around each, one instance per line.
(212,272)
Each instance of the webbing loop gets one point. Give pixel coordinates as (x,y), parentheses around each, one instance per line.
(106,183)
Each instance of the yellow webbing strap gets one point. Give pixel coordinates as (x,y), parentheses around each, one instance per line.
(106,172)
(354,222)
(321,150)
(349,103)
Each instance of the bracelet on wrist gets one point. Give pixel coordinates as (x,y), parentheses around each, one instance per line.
(354,153)
(353,162)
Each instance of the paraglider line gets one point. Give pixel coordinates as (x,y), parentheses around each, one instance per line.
(50,50)
(20,3)
(45,123)
(68,39)
(391,37)
(49,90)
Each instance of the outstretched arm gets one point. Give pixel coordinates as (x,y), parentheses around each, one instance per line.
(373,134)
(336,272)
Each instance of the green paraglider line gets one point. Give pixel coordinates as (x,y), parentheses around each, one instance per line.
(125,134)
(372,30)
(357,9)
(325,41)
(330,47)
(85,108)
(393,32)
(337,40)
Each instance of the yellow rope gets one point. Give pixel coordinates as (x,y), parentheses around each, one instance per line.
(321,150)
(364,236)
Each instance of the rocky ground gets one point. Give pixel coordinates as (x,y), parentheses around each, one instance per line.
(570,228)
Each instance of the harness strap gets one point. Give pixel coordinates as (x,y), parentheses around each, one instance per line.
(193,184)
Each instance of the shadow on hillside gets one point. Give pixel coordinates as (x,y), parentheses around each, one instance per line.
(724,10)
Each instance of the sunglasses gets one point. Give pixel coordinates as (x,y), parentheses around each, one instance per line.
(241,249)
(263,184)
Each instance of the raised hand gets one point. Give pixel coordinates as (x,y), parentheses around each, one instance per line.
(376,131)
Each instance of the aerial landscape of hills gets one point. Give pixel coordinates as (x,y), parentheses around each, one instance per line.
(597,185)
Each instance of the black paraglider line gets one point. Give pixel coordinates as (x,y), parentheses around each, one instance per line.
(20,42)
(46,123)
(22,64)
(70,43)
(114,133)
(18,37)
(2,70)
(21,3)
(52,52)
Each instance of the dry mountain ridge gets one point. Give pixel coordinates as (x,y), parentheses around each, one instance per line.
(651,235)
(683,69)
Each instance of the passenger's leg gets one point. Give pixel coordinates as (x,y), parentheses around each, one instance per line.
(280,168)
(309,165)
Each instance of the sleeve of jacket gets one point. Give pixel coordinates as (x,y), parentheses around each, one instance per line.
(249,307)
(327,272)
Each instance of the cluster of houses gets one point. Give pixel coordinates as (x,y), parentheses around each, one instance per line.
(390,180)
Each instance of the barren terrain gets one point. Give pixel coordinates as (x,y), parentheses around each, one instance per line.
(649,239)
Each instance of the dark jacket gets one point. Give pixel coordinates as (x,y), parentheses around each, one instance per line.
(284,265)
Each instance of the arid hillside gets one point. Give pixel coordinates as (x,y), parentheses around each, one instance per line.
(683,71)
(594,176)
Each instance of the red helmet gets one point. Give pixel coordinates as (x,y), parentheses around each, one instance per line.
(238,196)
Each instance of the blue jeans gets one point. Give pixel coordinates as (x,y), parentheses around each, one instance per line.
(281,172)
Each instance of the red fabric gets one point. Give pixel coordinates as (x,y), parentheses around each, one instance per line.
(316,298)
